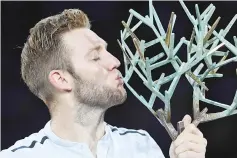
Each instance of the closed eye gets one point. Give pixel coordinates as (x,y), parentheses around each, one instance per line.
(95,53)
(95,56)
(96,59)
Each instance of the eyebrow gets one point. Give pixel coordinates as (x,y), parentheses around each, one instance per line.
(94,48)
(97,45)
(97,42)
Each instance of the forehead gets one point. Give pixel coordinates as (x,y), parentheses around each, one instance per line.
(82,38)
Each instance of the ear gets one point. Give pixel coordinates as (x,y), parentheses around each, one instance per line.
(60,80)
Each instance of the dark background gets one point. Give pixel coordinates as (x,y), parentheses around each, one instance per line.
(22,113)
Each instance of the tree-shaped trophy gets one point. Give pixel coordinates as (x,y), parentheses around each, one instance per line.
(204,43)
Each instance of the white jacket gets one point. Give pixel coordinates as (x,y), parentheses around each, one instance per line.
(116,143)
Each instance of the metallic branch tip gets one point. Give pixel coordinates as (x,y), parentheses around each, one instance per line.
(213,27)
(169,30)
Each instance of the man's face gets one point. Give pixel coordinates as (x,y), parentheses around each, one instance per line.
(96,78)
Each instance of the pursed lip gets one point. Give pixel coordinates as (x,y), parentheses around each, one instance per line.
(120,80)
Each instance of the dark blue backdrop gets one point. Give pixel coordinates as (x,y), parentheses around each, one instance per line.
(23,114)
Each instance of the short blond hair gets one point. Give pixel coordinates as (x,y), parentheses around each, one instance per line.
(44,50)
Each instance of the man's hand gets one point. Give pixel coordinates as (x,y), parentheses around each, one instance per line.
(190,143)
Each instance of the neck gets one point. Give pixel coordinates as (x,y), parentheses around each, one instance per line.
(80,123)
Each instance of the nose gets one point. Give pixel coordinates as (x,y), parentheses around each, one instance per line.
(111,62)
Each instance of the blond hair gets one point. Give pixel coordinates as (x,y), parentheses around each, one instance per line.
(44,50)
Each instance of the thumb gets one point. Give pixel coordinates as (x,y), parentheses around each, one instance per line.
(187,120)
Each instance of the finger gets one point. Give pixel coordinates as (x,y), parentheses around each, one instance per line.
(190,146)
(187,120)
(190,154)
(191,128)
(189,137)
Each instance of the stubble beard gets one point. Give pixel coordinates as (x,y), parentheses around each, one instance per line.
(97,96)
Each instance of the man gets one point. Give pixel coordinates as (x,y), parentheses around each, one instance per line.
(67,66)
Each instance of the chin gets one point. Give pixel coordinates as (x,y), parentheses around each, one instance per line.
(122,90)
(123,96)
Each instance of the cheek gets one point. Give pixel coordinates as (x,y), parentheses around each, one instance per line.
(97,75)
(93,73)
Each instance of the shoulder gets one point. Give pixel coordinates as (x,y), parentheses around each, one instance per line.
(126,132)
(140,139)
(27,145)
